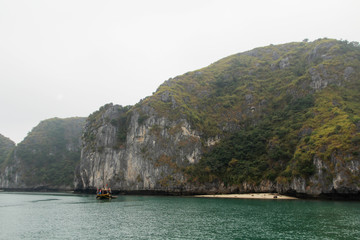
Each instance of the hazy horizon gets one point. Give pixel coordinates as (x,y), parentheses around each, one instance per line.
(68,58)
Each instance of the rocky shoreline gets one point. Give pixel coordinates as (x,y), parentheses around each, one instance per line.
(244,195)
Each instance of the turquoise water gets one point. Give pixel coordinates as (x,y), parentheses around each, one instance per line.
(69,216)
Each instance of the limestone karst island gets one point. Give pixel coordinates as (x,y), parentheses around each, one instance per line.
(278,119)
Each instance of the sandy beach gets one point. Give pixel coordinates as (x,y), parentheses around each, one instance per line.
(274,196)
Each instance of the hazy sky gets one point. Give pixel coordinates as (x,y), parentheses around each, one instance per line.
(65,58)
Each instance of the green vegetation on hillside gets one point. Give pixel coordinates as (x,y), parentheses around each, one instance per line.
(259,151)
(6,146)
(50,152)
(275,109)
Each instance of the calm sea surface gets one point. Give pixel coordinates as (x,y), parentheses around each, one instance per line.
(69,216)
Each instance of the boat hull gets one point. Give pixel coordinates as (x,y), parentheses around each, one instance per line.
(104,196)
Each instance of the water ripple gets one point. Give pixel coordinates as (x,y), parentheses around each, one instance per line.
(148,217)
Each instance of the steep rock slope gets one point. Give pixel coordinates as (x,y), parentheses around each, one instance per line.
(279,118)
(135,149)
(46,158)
(6,146)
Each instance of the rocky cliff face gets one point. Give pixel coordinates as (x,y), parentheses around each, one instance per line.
(11,174)
(46,158)
(332,178)
(6,147)
(149,158)
(280,118)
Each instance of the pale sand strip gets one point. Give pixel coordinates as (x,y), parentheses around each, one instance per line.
(248,196)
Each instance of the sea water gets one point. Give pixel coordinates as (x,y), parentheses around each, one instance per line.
(70,216)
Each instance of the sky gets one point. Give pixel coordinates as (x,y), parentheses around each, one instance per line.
(67,58)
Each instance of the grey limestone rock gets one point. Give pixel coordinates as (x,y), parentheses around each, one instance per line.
(320,78)
(348,72)
(284,63)
(150,159)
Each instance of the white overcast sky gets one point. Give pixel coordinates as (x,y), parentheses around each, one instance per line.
(66,58)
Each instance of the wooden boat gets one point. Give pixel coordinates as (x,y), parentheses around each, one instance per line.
(104,193)
(104,196)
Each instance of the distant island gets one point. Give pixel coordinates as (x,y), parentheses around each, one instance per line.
(276,119)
